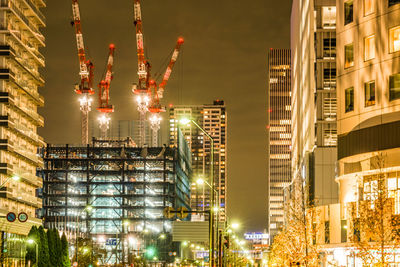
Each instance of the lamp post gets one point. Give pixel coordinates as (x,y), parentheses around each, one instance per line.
(211,219)
(228,229)
(87,208)
(31,241)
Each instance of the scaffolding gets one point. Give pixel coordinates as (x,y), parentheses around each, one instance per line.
(126,188)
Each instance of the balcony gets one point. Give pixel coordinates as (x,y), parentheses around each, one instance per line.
(36,12)
(28,177)
(10,5)
(16,35)
(31,115)
(16,195)
(6,74)
(29,69)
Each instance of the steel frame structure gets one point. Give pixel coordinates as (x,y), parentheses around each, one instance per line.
(127,188)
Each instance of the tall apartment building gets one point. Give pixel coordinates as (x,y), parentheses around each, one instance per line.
(20,60)
(213,118)
(314,133)
(368,96)
(278,132)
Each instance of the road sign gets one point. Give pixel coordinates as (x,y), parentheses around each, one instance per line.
(22,217)
(111,242)
(169,212)
(182,212)
(11,217)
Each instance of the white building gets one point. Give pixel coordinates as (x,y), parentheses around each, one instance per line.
(314,134)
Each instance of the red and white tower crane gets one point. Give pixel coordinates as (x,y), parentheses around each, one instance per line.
(141,90)
(155,107)
(105,108)
(85,87)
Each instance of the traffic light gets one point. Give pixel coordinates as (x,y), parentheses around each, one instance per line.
(226,241)
(150,252)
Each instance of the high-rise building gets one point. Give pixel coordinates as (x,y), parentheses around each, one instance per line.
(213,119)
(111,197)
(20,61)
(368,97)
(314,133)
(279,137)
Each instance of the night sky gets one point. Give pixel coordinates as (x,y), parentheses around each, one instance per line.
(224,57)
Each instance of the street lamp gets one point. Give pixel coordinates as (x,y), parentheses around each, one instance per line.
(31,241)
(16,178)
(186,121)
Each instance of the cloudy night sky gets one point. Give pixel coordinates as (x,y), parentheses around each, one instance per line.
(224,57)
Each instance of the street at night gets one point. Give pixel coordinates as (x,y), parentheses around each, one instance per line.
(200,133)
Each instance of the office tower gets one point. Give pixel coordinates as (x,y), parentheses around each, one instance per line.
(111,197)
(368,97)
(20,61)
(213,119)
(279,137)
(314,133)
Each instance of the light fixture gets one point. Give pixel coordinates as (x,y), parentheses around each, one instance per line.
(184,121)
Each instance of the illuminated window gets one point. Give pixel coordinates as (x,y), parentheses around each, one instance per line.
(394,87)
(393,2)
(369,89)
(368,7)
(369,47)
(329,47)
(394,39)
(348,55)
(349,99)
(329,17)
(348,12)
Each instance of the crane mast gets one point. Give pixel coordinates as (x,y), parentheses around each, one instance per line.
(157,93)
(104,95)
(85,88)
(141,90)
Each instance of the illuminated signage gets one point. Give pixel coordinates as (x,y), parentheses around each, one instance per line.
(256,236)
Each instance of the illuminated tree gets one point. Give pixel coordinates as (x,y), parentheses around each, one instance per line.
(373,222)
(296,242)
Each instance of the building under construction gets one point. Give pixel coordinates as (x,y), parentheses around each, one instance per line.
(112,194)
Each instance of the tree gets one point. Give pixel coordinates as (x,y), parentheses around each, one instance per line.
(44,260)
(58,246)
(31,249)
(65,262)
(372,219)
(51,242)
(296,242)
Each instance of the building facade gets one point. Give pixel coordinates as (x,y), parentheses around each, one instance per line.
(368,96)
(279,137)
(314,132)
(111,197)
(368,123)
(213,119)
(20,60)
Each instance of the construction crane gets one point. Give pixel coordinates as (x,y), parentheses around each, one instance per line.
(155,107)
(86,67)
(141,90)
(104,95)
